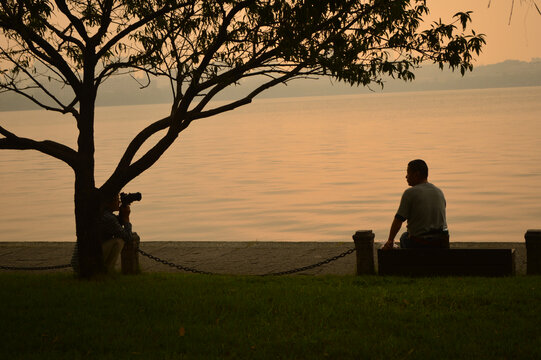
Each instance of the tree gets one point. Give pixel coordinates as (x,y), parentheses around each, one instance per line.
(202,47)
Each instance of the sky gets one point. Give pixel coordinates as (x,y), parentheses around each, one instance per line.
(516,41)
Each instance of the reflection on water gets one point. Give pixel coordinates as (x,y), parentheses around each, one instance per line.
(305,169)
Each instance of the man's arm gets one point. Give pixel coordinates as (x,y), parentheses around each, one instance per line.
(124,215)
(119,227)
(395,228)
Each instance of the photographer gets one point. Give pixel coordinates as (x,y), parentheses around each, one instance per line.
(116,230)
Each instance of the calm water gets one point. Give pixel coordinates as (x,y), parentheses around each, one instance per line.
(303,169)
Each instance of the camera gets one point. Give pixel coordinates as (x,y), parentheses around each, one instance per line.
(128,198)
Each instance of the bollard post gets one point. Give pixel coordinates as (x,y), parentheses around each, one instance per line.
(364,248)
(533,251)
(129,258)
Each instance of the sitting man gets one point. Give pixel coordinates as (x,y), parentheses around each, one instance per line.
(423,206)
(115,231)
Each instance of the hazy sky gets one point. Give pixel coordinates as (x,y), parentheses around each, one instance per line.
(518,41)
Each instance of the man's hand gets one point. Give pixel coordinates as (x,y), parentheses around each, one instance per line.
(395,228)
(124,214)
(388,245)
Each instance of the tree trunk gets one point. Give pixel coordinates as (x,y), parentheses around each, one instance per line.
(87,197)
(87,214)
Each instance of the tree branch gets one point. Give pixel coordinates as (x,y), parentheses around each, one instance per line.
(64,109)
(247,99)
(221,37)
(125,175)
(62,35)
(132,150)
(77,23)
(125,32)
(105,22)
(51,56)
(48,147)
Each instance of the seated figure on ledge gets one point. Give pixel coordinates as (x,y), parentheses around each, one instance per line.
(423,206)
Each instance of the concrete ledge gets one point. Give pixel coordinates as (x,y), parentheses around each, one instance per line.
(246,258)
(447,262)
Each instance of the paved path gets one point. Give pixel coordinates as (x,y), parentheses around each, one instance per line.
(247,258)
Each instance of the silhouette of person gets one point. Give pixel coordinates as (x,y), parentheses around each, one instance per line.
(115,231)
(423,206)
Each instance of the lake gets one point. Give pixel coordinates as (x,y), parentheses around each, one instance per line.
(297,169)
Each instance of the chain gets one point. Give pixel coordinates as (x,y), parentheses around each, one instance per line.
(309,267)
(304,268)
(168,263)
(54,267)
(185,268)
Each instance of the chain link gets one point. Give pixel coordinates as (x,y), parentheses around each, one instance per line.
(304,268)
(30,268)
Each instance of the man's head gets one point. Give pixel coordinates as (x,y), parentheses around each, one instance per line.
(113,203)
(417,172)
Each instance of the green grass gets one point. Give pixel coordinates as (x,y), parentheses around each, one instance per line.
(176,316)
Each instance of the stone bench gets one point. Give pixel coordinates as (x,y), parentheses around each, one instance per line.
(447,262)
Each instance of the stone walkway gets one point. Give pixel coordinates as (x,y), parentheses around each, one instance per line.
(243,258)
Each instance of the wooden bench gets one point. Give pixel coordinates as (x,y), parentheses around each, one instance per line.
(447,262)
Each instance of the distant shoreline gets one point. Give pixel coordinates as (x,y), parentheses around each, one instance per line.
(413,91)
(507,74)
